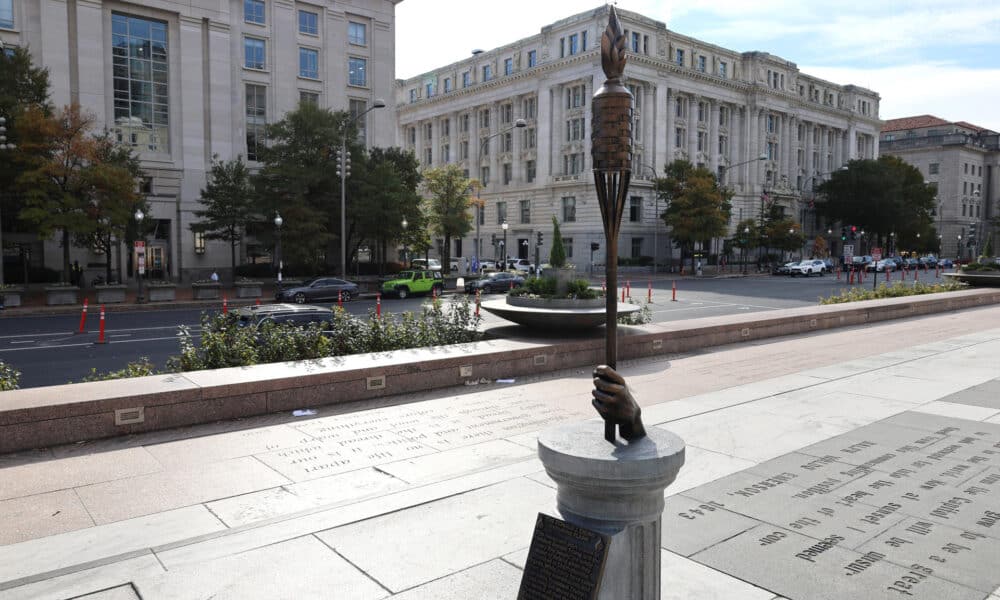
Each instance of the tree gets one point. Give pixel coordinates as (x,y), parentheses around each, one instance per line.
(113,177)
(698,208)
(820,248)
(388,192)
(229,204)
(557,256)
(881,196)
(784,234)
(449,216)
(56,183)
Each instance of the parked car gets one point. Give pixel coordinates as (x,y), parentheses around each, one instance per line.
(319,288)
(405,283)
(430,264)
(283,314)
(521,265)
(886,264)
(487,265)
(929,261)
(493,282)
(785,269)
(945,263)
(807,268)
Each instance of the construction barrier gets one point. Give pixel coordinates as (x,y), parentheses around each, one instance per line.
(649,295)
(83,317)
(340,298)
(100,337)
(225,305)
(673,292)
(378,304)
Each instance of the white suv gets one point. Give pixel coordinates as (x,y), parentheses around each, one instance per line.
(522,265)
(808,267)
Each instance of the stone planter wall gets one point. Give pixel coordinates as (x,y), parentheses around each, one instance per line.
(248,290)
(110,294)
(12,297)
(555,302)
(162,293)
(62,295)
(206,291)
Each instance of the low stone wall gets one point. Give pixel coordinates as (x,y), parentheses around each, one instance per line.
(40,417)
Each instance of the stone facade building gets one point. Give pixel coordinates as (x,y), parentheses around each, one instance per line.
(963,161)
(713,106)
(185,81)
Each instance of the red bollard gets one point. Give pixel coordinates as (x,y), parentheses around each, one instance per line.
(100,337)
(838,272)
(511,284)
(378,304)
(903,274)
(628,288)
(623,294)
(673,292)
(649,296)
(916,274)
(257,302)
(83,316)
(850,277)
(887,277)
(477,303)
(225,305)
(340,298)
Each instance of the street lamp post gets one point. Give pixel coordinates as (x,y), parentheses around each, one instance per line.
(743,244)
(277,245)
(405,252)
(343,171)
(140,255)
(656,219)
(518,124)
(503,253)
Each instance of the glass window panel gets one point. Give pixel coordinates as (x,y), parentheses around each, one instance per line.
(138,28)
(357,33)
(119,24)
(133,82)
(358,68)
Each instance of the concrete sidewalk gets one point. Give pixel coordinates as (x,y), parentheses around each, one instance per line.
(434,496)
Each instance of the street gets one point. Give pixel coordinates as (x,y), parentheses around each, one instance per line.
(46,350)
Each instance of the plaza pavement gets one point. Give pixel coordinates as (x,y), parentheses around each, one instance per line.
(434,495)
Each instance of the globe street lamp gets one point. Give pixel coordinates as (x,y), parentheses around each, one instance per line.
(504,226)
(140,254)
(743,243)
(405,249)
(277,246)
(518,124)
(343,171)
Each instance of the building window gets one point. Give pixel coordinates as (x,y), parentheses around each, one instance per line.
(484,118)
(411,135)
(574,44)
(447,84)
(428,131)
(445,128)
(429,90)
(702,141)
(7,17)
(532,58)
(576,96)
(309,98)
(772,151)
(771,124)
(254,51)
(568,246)
(484,175)
(358,71)
(253,11)
(508,173)
(507,142)
(679,135)
(723,145)
(723,116)
(966,168)
(506,113)
(487,72)
(569,209)
(635,209)
(413,95)
(140,81)
(965,187)
(529,108)
(308,22)
(723,70)
(199,242)
(525,211)
(529,171)
(636,42)
(508,66)
(679,108)
(963,210)
(445,153)
(428,156)
(308,63)
(702,64)
(501,212)
(463,150)
(573,163)
(357,33)
(530,137)
(636,247)
(679,57)
(702,112)
(256,120)
(575,130)
(933,168)
(356,108)
(466,80)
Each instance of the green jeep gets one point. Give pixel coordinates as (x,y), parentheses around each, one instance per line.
(414,282)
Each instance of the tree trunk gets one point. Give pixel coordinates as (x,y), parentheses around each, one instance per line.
(232,256)
(446,255)
(106,244)
(65,244)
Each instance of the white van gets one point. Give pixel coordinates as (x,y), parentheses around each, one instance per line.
(431,264)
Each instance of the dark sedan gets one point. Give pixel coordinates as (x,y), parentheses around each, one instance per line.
(319,288)
(494,282)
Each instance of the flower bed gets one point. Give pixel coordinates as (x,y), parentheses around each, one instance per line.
(206,290)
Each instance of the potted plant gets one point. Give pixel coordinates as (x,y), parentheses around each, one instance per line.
(61,293)
(110,293)
(248,288)
(206,289)
(161,291)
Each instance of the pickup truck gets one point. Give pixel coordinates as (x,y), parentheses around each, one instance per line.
(406,283)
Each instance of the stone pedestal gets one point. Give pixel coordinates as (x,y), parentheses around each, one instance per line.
(617,490)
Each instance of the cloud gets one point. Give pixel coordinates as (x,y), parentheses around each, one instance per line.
(941,89)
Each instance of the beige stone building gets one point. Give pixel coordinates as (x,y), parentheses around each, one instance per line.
(183,81)
(716,107)
(963,161)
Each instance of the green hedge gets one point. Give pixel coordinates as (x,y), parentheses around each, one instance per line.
(8,377)
(896,290)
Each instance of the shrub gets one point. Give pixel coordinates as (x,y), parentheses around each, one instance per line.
(896,290)
(9,377)
(557,256)
(139,368)
(545,287)
(645,314)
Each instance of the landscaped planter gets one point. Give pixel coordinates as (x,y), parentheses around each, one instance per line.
(248,289)
(12,296)
(110,294)
(62,294)
(206,291)
(162,292)
(976,278)
(555,302)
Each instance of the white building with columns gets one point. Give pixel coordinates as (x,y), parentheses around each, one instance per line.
(185,81)
(693,100)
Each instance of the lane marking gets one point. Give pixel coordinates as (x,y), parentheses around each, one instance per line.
(22,341)
(45,347)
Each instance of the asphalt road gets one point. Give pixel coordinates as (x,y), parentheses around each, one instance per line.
(48,352)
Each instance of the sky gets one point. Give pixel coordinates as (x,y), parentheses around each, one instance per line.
(921,56)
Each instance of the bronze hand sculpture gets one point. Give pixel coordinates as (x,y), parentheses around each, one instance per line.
(615,403)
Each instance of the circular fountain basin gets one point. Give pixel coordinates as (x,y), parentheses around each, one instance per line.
(563,314)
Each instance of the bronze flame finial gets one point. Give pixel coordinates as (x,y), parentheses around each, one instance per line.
(613,48)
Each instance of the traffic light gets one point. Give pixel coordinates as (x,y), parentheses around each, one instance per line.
(843,234)
(594,246)
(493,239)
(854,232)
(539,242)
(972,230)
(343,163)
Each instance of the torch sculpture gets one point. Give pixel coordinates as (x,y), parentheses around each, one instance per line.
(611,151)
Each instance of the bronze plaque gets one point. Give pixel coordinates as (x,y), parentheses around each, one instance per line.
(565,562)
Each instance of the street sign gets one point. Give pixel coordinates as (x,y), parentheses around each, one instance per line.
(848,250)
(877,254)
(142,264)
(139,244)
